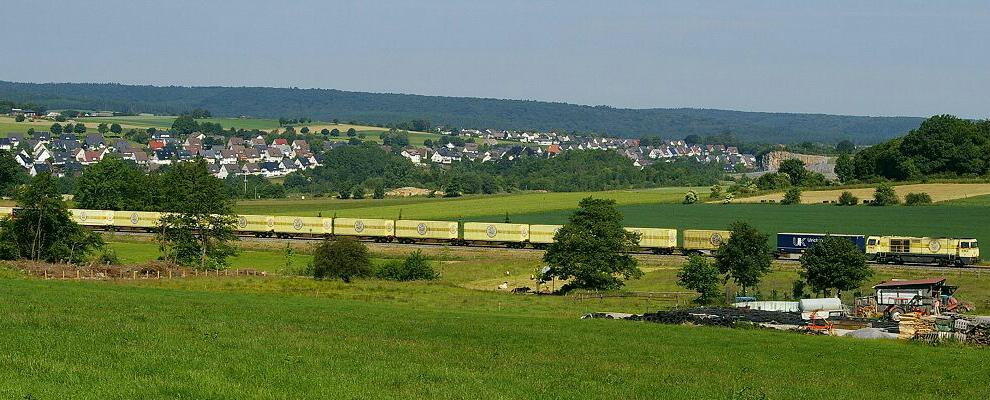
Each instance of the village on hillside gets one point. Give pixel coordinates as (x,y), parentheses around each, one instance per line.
(67,153)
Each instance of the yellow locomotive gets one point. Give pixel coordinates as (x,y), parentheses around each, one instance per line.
(923,250)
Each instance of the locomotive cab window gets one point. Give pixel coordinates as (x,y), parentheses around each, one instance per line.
(872,242)
(964,245)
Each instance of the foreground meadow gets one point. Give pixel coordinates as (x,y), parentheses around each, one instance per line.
(292,337)
(240,338)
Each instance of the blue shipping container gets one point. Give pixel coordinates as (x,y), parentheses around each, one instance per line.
(796,243)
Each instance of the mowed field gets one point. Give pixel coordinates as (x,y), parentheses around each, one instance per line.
(454,208)
(296,338)
(938,192)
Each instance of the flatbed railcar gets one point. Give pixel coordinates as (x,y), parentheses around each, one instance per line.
(793,245)
(413,231)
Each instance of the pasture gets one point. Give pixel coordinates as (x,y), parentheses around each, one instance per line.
(938,191)
(485,268)
(454,208)
(296,338)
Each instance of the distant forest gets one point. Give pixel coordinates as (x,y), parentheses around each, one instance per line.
(460,112)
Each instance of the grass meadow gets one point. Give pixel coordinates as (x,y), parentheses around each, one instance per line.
(296,338)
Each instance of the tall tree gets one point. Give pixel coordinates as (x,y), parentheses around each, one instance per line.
(592,249)
(844,168)
(79,128)
(56,129)
(795,170)
(113,184)
(43,229)
(701,275)
(11,173)
(115,128)
(834,263)
(199,227)
(745,257)
(103,128)
(184,125)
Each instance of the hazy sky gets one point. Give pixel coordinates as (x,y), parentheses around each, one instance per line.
(849,57)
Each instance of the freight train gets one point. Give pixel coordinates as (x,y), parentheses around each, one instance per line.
(891,249)
(880,249)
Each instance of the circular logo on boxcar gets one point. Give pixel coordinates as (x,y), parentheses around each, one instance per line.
(389,226)
(421,228)
(327,224)
(716,239)
(524,231)
(359,226)
(134,218)
(934,246)
(297,224)
(83,216)
(270,221)
(453,229)
(242,222)
(491,231)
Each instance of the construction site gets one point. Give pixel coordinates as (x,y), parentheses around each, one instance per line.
(924,310)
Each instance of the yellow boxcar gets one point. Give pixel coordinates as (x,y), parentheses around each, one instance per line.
(92,217)
(303,225)
(136,219)
(661,240)
(704,240)
(258,224)
(6,212)
(543,234)
(926,250)
(494,232)
(363,227)
(411,229)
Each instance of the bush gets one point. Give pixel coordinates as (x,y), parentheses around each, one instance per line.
(8,251)
(414,268)
(885,195)
(344,258)
(793,196)
(691,197)
(108,257)
(701,275)
(716,192)
(914,199)
(847,199)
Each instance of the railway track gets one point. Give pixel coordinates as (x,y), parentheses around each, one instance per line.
(396,245)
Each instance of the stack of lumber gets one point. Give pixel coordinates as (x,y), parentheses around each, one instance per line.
(912,325)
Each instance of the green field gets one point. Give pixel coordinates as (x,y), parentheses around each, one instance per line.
(296,338)
(484,269)
(979,201)
(453,208)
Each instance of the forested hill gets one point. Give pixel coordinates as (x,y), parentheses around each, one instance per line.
(464,112)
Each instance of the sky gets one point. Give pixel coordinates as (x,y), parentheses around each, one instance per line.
(877,57)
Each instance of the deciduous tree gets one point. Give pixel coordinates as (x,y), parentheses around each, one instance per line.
(834,263)
(745,257)
(592,249)
(701,275)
